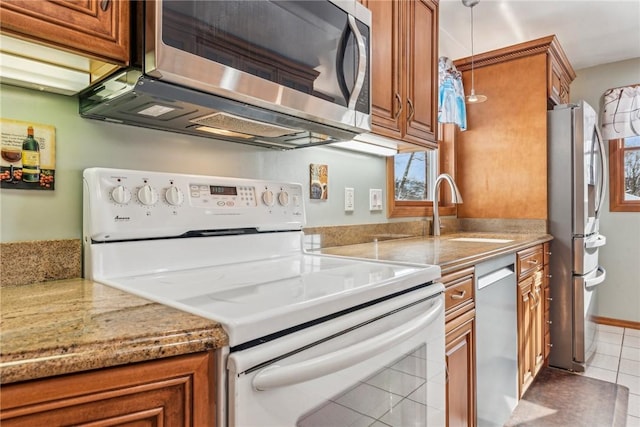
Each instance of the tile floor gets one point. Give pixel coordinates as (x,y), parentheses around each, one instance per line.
(617,360)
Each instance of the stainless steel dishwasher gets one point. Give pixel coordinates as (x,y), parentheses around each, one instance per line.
(496,340)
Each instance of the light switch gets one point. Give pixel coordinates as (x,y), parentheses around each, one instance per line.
(375,199)
(349,199)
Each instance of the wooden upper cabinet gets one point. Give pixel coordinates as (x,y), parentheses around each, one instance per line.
(404,69)
(560,74)
(501,160)
(98,29)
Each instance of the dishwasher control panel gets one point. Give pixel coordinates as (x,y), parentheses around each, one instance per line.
(120,204)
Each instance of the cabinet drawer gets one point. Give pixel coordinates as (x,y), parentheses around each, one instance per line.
(458,293)
(529,260)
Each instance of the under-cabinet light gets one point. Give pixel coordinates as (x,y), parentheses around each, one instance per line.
(370,143)
(39,67)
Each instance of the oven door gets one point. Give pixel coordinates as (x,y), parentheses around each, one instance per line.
(383,363)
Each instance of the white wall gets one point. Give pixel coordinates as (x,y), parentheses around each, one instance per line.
(619,297)
(82,143)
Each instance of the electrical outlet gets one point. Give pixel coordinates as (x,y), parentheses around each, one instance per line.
(349,199)
(375,199)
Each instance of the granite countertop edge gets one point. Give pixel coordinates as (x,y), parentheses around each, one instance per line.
(77,325)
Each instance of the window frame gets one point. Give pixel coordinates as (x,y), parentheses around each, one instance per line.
(446,163)
(617,203)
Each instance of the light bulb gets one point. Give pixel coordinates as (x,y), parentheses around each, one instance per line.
(475,99)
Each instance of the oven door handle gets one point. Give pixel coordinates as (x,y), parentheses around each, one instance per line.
(275,376)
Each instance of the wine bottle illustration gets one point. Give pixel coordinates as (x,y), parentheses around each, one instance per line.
(30,158)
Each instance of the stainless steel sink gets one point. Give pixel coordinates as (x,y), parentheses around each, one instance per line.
(480,240)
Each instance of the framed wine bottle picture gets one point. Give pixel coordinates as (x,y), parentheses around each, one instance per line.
(28,155)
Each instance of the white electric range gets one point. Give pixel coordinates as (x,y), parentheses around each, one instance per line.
(311,337)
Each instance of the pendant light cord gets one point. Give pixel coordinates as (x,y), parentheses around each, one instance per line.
(472,77)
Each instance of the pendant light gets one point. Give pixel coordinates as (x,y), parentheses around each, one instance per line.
(472,98)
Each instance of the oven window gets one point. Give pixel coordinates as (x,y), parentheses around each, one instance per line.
(307,46)
(395,395)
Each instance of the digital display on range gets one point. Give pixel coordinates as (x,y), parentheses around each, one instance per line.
(218,190)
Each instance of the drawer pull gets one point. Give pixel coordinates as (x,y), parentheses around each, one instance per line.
(550,321)
(549,276)
(549,253)
(533,261)
(549,299)
(550,345)
(459,295)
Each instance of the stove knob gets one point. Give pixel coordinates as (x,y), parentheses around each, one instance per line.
(174,196)
(121,195)
(267,198)
(283,198)
(147,195)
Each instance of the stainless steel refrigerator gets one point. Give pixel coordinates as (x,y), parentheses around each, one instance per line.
(576,185)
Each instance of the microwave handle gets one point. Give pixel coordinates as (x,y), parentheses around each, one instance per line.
(352,98)
(276,376)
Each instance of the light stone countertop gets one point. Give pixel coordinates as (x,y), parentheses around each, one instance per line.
(73,325)
(441,250)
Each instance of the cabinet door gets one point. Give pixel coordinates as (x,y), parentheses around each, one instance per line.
(460,358)
(177,391)
(525,333)
(96,28)
(538,323)
(421,56)
(387,98)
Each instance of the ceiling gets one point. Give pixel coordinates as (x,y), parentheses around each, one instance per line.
(591,32)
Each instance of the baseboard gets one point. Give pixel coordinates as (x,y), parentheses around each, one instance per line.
(616,322)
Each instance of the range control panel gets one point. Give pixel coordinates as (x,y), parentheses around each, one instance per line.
(122,204)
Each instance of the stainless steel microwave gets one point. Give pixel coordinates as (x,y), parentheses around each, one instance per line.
(279,73)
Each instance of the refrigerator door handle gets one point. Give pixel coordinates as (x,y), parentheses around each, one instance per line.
(592,282)
(603,176)
(595,241)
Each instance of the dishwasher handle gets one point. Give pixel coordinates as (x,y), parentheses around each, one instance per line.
(276,376)
(495,276)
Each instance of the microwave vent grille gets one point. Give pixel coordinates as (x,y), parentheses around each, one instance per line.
(243,125)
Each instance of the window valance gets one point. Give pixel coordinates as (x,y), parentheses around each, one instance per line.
(621,112)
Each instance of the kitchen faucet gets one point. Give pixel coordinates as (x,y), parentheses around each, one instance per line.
(455,198)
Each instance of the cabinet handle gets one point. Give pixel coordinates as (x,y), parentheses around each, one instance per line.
(412,110)
(549,253)
(533,261)
(550,345)
(549,276)
(399,110)
(550,322)
(459,295)
(104,5)
(549,299)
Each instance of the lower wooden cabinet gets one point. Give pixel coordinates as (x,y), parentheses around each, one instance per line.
(460,359)
(533,314)
(177,391)
(460,347)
